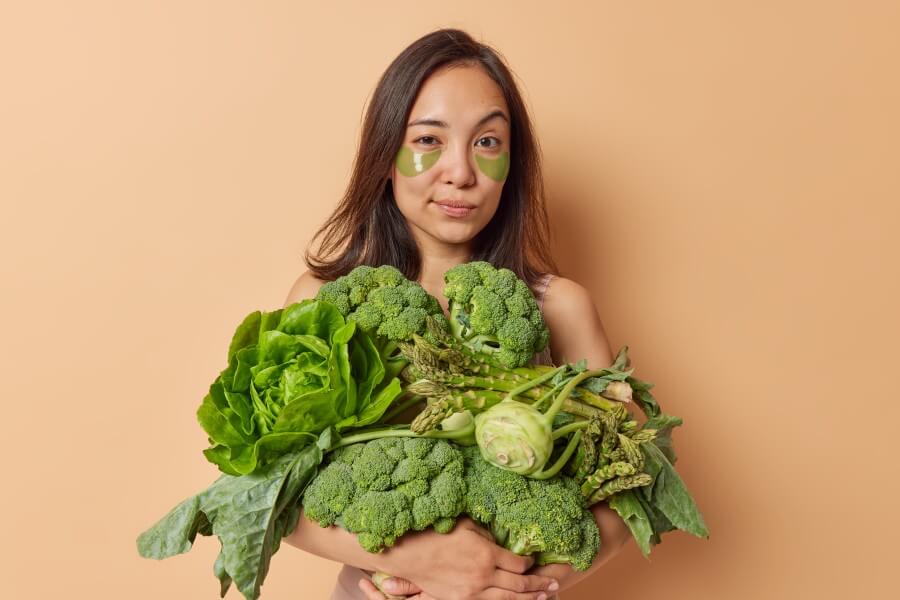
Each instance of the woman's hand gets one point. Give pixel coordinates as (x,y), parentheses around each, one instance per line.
(394,586)
(462,565)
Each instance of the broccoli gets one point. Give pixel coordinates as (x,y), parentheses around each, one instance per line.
(385,487)
(494,312)
(382,301)
(526,515)
(382,488)
(386,305)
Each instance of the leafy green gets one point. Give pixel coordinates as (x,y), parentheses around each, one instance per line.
(668,494)
(632,512)
(291,373)
(249,514)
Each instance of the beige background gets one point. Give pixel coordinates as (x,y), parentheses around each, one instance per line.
(723,176)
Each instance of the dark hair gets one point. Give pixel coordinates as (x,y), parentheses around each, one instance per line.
(367,228)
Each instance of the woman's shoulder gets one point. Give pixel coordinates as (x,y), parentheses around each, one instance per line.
(563,295)
(305,286)
(576,330)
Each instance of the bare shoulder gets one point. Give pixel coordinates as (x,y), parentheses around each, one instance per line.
(564,295)
(306,286)
(576,330)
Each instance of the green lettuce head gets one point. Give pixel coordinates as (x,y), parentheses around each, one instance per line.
(291,374)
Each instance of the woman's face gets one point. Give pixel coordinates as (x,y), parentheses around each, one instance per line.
(449,172)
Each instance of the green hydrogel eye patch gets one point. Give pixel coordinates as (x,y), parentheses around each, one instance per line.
(495,168)
(411,163)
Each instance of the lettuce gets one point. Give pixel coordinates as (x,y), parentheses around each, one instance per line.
(292,373)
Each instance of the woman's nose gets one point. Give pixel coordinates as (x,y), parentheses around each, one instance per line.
(458,166)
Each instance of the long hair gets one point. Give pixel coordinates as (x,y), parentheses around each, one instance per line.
(367,228)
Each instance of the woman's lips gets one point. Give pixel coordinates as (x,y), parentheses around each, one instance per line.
(455,209)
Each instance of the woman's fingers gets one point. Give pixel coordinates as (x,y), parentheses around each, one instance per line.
(500,594)
(395,586)
(368,588)
(524,583)
(399,586)
(509,561)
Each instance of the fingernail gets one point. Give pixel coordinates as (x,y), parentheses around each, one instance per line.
(389,585)
(554,585)
(542,596)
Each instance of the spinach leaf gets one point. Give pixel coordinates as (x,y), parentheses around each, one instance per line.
(632,512)
(249,514)
(668,495)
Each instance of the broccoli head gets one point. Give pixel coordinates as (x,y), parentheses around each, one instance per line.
(547,517)
(493,311)
(382,301)
(383,488)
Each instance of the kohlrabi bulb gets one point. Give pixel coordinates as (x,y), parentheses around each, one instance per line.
(514,436)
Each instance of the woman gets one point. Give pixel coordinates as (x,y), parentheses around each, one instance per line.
(448,171)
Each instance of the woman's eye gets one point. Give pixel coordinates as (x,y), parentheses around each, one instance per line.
(425,137)
(490,138)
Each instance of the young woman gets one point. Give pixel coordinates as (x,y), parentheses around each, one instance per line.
(448,171)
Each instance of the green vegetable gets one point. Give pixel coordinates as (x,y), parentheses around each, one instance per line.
(384,304)
(516,436)
(249,514)
(527,515)
(381,489)
(329,369)
(494,312)
(291,374)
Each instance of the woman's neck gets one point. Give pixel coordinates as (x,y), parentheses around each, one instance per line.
(435,260)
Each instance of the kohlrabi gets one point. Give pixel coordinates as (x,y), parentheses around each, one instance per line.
(519,437)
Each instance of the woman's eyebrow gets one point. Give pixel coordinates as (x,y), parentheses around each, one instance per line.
(438,123)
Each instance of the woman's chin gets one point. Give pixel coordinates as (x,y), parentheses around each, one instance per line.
(455,233)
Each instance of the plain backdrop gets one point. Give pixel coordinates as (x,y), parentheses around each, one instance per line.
(722,176)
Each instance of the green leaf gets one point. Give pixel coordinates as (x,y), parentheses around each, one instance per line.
(220,422)
(247,509)
(246,334)
(175,533)
(663,424)
(221,457)
(267,448)
(658,521)
(380,403)
(669,494)
(339,371)
(311,317)
(224,578)
(276,347)
(630,509)
(365,359)
(311,412)
(642,396)
(621,362)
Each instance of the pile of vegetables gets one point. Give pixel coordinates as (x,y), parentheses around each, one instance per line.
(310,414)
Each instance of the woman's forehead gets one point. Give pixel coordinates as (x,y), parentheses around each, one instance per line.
(459,97)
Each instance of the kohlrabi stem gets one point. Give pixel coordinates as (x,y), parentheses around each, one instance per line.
(564,394)
(567,429)
(537,403)
(534,382)
(455,434)
(561,462)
